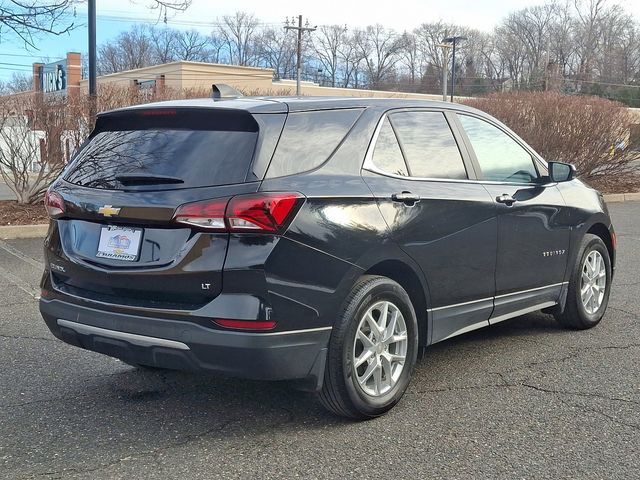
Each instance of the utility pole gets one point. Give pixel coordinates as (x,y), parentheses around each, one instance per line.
(445,68)
(92,59)
(453,40)
(300,29)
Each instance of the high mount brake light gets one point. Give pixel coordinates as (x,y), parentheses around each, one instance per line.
(259,212)
(158,112)
(54,203)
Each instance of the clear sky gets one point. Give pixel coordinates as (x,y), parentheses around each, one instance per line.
(117,15)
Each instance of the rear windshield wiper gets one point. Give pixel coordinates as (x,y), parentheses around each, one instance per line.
(146,179)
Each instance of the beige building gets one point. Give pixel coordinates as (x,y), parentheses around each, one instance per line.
(184,75)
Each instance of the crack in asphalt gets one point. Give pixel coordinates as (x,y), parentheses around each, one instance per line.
(633,314)
(156,452)
(153,452)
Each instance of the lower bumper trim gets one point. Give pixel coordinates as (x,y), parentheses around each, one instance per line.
(132,338)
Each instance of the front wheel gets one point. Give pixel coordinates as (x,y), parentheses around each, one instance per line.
(589,286)
(372,351)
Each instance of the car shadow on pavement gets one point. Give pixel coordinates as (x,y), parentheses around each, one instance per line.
(196,402)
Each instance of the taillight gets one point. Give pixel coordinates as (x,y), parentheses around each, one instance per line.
(54,203)
(266,212)
(208,214)
(260,212)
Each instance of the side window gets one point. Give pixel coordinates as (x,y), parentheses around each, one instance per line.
(428,145)
(387,155)
(501,158)
(309,139)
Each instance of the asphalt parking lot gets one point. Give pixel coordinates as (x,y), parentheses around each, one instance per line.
(523,399)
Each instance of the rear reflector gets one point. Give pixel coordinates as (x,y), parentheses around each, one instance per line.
(614,240)
(54,203)
(261,212)
(245,324)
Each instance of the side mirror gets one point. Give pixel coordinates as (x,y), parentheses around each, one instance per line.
(561,172)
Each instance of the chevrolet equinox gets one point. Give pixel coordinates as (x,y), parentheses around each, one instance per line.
(322,241)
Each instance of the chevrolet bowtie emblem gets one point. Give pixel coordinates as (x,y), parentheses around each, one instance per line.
(108,210)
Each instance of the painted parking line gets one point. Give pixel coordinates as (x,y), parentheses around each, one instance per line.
(21,284)
(17,253)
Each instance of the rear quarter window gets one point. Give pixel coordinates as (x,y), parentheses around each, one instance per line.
(309,139)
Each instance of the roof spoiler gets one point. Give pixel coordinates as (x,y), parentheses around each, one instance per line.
(222,91)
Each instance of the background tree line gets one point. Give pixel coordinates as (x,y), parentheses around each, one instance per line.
(580,46)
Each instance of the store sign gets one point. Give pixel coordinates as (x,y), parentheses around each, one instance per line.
(54,77)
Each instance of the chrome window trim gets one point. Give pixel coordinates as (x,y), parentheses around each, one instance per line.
(370,166)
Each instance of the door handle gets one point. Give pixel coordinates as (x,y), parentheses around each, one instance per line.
(407,198)
(505,198)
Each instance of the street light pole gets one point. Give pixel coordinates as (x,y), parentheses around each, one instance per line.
(92,59)
(453,41)
(445,64)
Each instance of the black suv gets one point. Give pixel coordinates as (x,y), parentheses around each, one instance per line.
(318,240)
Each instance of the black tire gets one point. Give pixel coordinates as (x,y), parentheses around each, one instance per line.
(575,315)
(341,393)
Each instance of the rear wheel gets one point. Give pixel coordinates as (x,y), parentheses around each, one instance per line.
(589,286)
(372,350)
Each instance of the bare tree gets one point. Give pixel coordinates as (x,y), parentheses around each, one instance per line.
(31,133)
(380,49)
(588,25)
(163,42)
(19,82)
(192,45)
(131,49)
(28,18)
(239,34)
(326,45)
(276,49)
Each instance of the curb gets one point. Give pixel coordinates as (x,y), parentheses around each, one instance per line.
(622,197)
(10,232)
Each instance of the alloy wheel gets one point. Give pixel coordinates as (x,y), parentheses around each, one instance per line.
(593,282)
(380,348)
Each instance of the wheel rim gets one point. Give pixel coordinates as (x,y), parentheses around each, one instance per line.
(380,348)
(593,282)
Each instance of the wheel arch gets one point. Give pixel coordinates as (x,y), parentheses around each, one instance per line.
(410,280)
(599,229)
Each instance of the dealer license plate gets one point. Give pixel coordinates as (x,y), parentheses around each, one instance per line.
(119,243)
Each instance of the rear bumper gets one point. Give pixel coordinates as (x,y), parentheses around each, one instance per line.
(181,345)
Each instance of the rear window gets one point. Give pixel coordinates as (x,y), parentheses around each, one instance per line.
(309,139)
(166,148)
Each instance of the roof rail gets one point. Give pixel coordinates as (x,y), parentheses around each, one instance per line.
(222,91)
